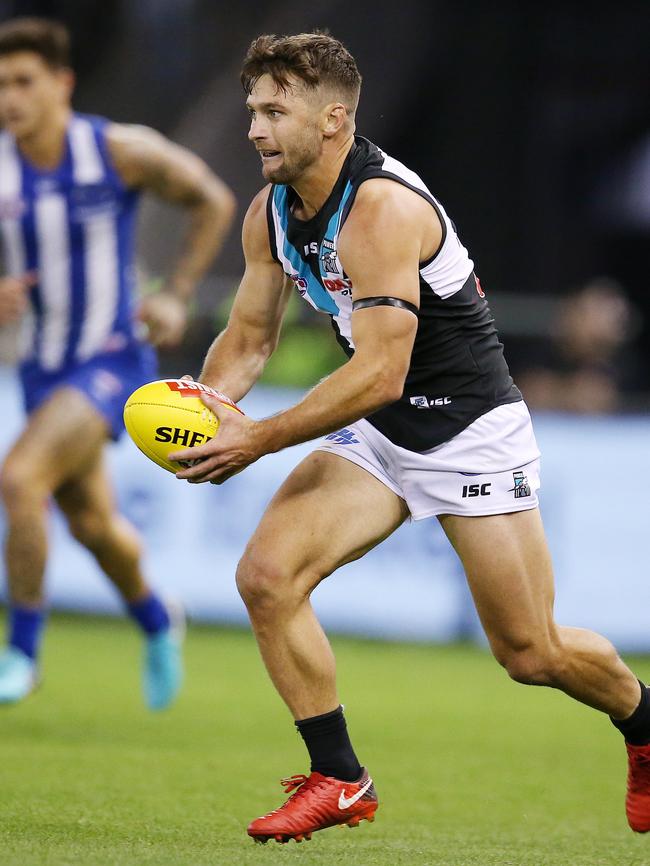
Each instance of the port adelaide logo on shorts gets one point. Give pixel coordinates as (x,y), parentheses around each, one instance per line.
(522,487)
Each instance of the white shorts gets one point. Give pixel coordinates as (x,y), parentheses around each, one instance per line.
(490,467)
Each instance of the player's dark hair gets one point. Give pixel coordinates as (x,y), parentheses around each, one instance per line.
(314,58)
(49,39)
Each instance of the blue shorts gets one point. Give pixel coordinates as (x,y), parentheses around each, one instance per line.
(106,380)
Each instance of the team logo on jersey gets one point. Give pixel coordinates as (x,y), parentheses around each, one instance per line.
(46,186)
(105,385)
(343,437)
(422,402)
(300,283)
(522,487)
(330,262)
(92,200)
(333,277)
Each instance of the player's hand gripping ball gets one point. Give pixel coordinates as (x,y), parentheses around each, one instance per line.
(168,415)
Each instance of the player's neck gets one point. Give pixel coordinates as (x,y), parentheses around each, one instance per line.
(45,146)
(315,185)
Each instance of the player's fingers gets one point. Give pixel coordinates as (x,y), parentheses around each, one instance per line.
(221,478)
(169,335)
(217,476)
(162,341)
(198,471)
(156,331)
(216,406)
(197,452)
(187,378)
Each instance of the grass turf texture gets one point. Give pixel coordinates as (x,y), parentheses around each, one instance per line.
(471,769)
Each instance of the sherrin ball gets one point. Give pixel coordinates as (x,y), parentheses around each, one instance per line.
(168,415)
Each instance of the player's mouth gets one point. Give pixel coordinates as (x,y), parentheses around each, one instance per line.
(268,155)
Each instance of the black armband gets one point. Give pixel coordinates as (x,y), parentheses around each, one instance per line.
(384,301)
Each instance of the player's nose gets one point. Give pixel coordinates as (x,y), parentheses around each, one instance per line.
(256,131)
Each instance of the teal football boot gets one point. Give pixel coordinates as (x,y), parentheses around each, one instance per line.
(163,665)
(17,675)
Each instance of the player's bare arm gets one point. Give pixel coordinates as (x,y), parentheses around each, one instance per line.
(381,245)
(236,359)
(147,160)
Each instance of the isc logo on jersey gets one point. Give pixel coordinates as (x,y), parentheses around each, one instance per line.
(168,414)
(422,402)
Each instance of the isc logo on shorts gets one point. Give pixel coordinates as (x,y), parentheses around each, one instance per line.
(470,490)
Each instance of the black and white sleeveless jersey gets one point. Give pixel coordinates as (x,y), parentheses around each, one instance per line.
(457,370)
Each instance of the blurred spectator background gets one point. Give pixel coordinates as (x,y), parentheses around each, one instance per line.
(531,122)
(585,363)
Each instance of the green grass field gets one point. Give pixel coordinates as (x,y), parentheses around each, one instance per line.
(470,768)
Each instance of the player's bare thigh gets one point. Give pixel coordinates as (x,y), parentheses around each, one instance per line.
(328,512)
(61,438)
(509,571)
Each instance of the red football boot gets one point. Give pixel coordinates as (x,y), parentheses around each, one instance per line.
(318,802)
(637,802)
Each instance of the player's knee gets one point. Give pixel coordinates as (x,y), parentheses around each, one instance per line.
(258,581)
(532,664)
(88,527)
(20,485)
(264,582)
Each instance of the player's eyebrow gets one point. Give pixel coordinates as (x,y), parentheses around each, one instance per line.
(264,106)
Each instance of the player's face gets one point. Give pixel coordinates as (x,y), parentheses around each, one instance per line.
(30,91)
(285,129)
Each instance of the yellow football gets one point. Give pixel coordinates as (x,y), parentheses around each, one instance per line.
(168,415)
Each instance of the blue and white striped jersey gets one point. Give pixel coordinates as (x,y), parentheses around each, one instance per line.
(74,227)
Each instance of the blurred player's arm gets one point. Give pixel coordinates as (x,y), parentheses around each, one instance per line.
(236,359)
(388,232)
(147,160)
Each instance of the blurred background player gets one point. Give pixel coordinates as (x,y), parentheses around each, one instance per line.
(69,187)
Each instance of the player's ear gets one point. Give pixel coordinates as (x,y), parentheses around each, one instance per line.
(335,116)
(67,81)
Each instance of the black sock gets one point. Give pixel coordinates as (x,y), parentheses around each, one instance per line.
(636,728)
(329,746)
